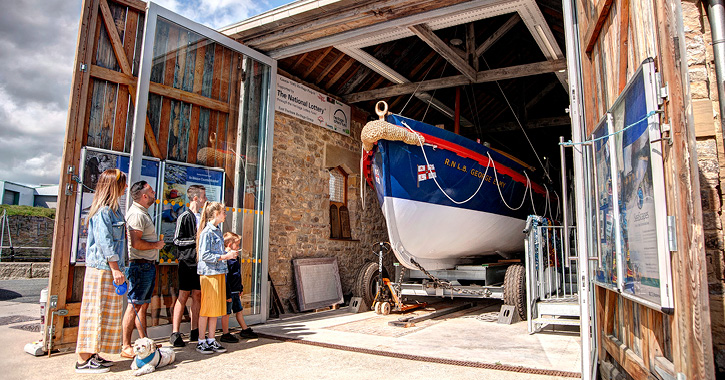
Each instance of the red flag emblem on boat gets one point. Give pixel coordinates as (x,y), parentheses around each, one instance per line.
(426,174)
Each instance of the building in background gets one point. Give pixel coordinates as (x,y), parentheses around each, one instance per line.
(24,195)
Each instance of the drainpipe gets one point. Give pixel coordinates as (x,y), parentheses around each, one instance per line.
(716,14)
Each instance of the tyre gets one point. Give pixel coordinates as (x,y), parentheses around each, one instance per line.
(514,289)
(366,283)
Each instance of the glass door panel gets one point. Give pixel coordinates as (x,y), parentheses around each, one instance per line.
(206,102)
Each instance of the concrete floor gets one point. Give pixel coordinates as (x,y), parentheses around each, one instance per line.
(459,337)
(471,335)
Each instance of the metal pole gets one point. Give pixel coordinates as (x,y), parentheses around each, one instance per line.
(716,14)
(564,204)
(576,111)
(597,210)
(2,233)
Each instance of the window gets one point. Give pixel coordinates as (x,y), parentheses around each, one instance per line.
(339,215)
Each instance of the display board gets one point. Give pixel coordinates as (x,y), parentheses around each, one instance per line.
(176,179)
(644,244)
(642,269)
(94,162)
(300,101)
(606,272)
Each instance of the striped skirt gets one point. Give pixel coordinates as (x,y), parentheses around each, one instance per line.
(99,329)
(213,296)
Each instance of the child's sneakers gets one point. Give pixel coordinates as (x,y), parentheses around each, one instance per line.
(216,347)
(228,338)
(204,348)
(248,334)
(91,366)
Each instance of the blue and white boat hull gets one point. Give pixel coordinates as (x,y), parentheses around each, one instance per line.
(439,230)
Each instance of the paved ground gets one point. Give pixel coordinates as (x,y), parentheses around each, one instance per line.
(259,359)
(23,290)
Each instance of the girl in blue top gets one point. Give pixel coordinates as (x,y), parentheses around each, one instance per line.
(211,267)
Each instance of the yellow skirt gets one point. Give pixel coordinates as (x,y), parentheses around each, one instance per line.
(213,296)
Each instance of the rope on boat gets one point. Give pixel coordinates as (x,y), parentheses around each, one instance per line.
(435,179)
(527,189)
(382,130)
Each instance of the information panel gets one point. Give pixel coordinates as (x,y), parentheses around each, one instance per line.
(644,245)
(606,272)
(630,188)
(304,103)
(94,162)
(177,177)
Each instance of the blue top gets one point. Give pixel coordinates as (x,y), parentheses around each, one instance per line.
(106,239)
(211,248)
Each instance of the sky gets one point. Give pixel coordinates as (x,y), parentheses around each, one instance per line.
(37,48)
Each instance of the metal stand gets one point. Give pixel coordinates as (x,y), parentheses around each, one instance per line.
(387,298)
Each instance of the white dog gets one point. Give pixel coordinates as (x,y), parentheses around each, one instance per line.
(149,357)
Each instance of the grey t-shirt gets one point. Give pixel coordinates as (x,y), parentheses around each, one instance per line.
(138,218)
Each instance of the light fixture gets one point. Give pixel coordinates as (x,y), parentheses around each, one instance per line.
(385,73)
(456,41)
(540,31)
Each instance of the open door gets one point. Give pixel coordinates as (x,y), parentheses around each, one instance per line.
(150,83)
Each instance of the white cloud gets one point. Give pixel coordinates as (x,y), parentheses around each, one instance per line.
(215,13)
(37,48)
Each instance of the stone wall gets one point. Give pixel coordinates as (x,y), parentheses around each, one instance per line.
(28,231)
(300,225)
(711,161)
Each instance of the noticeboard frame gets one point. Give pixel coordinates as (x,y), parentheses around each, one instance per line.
(162,196)
(643,86)
(80,191)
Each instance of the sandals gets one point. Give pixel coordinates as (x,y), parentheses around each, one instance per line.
(125,354)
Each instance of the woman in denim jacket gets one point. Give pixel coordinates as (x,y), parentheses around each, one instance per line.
(211,267)
(99,329)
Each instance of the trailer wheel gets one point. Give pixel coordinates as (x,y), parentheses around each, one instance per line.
(514,289)
(366,283)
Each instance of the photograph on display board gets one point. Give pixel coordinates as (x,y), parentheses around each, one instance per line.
(640,248)
(606,273)
(174,201)
(95,163)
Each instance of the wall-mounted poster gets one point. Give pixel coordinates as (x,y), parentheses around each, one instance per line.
(94,162)
(639,168)
(302,102)
(177,177)
(606,272)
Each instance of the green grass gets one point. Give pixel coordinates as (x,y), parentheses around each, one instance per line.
(28,211)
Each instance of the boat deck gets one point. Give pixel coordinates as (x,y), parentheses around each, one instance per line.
(470,337)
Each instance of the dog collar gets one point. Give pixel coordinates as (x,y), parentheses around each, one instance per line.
(142,362)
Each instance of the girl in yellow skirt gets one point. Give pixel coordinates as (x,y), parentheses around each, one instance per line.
(211,267)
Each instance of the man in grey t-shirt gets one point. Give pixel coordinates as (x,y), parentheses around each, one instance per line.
(143,253)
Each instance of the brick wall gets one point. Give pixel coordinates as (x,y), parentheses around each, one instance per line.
(300,226)
(28,231)
(711,161)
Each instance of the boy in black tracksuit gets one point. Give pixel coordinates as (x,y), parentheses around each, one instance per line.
(234,293)
(185,241)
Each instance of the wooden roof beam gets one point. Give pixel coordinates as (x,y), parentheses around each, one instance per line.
(508,25)
(379,67)
(425,33)
(459,80)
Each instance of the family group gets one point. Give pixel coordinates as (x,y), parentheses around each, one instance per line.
(209,272)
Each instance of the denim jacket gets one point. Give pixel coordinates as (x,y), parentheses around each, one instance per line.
(211,247)
(106,237)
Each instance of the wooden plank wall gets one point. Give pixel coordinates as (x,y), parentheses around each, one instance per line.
(616,36)
(192,117)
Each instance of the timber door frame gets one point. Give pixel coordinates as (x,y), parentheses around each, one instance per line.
(121,41)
